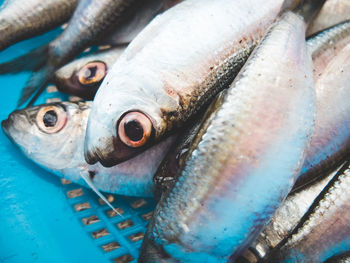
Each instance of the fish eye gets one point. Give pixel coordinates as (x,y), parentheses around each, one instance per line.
(134,129)
(92,72)
(51,119)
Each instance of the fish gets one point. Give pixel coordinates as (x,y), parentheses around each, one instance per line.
(82,77)
(52,135)
(285,219)
(333,12)
(330,143)
(325,229)
(91,20)
(245,159)
(170,70)
(23,19)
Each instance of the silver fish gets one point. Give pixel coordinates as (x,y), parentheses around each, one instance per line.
(325,229)
(245,159)
(332,13)
(22,19)
(170,70)
(52,135)
(82,77)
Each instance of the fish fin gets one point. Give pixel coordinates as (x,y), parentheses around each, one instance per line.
(92,186)
(28,62)
(36,84)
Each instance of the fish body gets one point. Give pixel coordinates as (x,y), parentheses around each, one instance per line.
(332,13)
(244,160)
(22,19)
(59,149)
(330,143)
(82,77)
(342,258)
(325,229)
(192,51)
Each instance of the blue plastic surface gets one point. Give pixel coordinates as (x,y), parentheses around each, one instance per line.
(39,221)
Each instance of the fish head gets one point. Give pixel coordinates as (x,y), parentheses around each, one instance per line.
(128,116)
(81,78)
(49,134)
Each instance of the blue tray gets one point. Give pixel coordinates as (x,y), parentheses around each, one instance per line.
(45,219)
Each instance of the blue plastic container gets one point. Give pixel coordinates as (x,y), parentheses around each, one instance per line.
(43,219)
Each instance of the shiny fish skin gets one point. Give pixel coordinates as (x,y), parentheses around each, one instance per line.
(62,152)
(325,231)
(330,143)
(66,77)
(185,66)
(332,13)
(244,160)
(22,19)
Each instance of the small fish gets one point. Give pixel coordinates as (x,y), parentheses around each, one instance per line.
(331,141)
(92,19)
(245,158)
(52,135)
(285,219)
(325,230)
(82,77)
(333,12)
(22,19)
(170,70)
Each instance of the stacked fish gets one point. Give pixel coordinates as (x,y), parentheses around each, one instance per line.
(220,109)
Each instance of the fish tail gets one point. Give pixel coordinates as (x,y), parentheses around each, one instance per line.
(31,61)
(308,9)
(36,84)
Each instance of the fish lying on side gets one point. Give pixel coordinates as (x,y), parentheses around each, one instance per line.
(92,19)
(332,13)
(285,219)
(324,230)
(245,158)
(22,19)
(82,77)
(52,135)
(170,70)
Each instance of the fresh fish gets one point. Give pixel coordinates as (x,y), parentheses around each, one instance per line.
(91,20)
(342,258)
(22,19)
(285,219)
(325,229)
(245,158)
(52,135)
(82,77)
(331,141)
(173,67)
(332,13)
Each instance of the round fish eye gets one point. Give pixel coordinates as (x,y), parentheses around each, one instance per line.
(134,129)
(91,73)
(51,119)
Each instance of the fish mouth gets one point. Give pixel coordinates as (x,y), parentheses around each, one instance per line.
(5,125)
(121,153)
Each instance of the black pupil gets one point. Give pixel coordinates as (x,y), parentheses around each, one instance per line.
(50,118)
(90,72)
(133,130)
